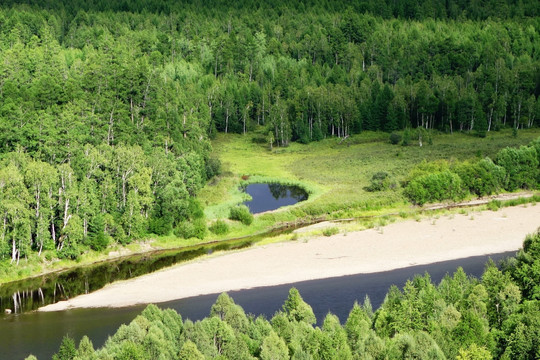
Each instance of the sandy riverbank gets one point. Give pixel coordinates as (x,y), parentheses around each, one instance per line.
(394,246)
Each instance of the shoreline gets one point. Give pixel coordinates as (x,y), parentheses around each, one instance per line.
(147,248)
(394,246)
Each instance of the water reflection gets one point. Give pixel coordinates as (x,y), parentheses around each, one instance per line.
(280,191)
(266,197)
(30,294)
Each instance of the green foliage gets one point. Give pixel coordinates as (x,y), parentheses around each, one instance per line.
(107,107)
(521,167)
(416,345)
(241,213)
(86,348)
(474,352)
(189,351)
(330,231)
(433,187)
(406,137)
(494,205)
(69,252)
(526,270)
(521,336)
(274,348)
(212,336)
(536,145)
(296,309)
(191,229)
(67,349)
(96,238)
(395,138)
(380,181)
(219,227)
(225,309)
(160,226)
(213,167)
(437,181)
(483,177)
(152,334)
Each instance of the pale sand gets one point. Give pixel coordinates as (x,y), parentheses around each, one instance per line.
(394,246)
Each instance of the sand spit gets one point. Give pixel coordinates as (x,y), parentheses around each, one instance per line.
(394,246)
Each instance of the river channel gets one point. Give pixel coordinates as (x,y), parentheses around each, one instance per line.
(41,333)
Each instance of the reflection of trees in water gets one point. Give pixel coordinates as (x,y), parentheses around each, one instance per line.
(281,191)
(278,191)
(29,294)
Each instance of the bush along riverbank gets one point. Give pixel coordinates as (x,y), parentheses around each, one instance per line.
(496,316)
(513,169)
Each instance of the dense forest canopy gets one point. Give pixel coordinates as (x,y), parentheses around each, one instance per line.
(405,9)
(106,107)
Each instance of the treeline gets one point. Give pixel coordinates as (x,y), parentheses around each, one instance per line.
(405,9)
(101,195)
(304,74)
(495,317)
(513,169)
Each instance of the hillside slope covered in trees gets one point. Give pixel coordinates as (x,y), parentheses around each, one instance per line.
(106,108)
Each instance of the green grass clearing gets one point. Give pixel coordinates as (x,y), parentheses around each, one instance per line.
(335,173)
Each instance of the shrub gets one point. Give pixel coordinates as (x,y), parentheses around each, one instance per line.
(213,168)
(330,231)
(406,137)
(494,205)
(184,229)
(380,181)
(219,227)
(70,252)
(99,242)
(481,178)
(160,225)
(395,138)
(191,229)
(521,167)
(195,209)
(241,213)
(536,144)
(425,168)
(437,186)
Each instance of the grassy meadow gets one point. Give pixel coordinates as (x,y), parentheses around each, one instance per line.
(334,172)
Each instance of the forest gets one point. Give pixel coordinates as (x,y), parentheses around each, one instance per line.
(108,109)
(463,318)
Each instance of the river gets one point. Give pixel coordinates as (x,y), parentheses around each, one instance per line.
(41,333)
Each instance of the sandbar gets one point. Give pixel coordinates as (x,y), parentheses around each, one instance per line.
(397,245)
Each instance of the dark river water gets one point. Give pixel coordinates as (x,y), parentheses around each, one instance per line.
(266,197)
(41,333)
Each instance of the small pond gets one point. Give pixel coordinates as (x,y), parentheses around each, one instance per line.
(266,197)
